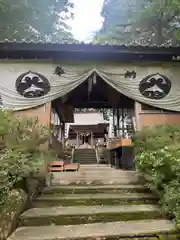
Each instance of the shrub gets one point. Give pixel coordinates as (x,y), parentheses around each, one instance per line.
(158,160)
(159,136)
(20,154)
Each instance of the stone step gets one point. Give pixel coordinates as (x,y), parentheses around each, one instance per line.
(94,189)
(97,166)
(94,231)
(81,152)
(88,214)
(98,179)
(90,181)
(85,161)
(110,172)
(84,150)
(94,175)
(83,158)
(86,169)
(94,199)
(85,155)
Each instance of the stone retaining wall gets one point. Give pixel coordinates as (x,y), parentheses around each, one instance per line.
(11,211)
(17,201)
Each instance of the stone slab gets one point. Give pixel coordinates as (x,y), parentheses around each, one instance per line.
(86,210)
(124,196)
(95,230)
(110,186)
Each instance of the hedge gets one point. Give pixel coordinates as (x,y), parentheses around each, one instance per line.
(158,161)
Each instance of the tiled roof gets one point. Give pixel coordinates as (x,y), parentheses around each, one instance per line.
(75,42)
(70,50)
(88,47)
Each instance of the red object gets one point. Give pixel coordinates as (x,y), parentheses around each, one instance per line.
(71,167)
(57,166)
(60,166)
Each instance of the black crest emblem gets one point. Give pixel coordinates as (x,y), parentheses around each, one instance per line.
(130,74)
(59,70)
(155,86)
(32,85)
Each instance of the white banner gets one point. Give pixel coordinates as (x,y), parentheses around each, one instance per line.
(26,84)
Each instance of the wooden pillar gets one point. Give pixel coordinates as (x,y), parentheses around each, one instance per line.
(123,125)
(118,120)
(92,142)
(77,139)
(63,134)
(137,117)
(114,123)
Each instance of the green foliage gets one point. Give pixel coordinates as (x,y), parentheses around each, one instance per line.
(21,156)
(35,20)
(140,22)
(157,137)
(158,21)
(117,16)
(158,160)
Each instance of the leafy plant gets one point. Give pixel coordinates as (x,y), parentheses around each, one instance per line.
(139,22)
(158,160)
(41,20)
(21,155)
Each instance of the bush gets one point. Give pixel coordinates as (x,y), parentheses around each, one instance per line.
(157,137)
(20,154)
(158,160)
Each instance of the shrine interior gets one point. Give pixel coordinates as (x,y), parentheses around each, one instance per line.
(95,93)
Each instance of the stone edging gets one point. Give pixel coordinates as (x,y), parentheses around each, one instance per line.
(12,209)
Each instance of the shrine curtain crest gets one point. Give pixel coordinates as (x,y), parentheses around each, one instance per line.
(26,84)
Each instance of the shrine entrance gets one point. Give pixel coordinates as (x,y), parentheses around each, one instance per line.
(96,94)
(85,139)
(102,117)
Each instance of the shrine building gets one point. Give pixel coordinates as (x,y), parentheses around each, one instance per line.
(138,85)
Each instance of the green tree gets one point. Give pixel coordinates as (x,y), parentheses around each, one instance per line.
(23,152)
(35,20)
(118,16)
(157,21)
(145,22)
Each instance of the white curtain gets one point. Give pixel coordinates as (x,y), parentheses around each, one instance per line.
(77,73)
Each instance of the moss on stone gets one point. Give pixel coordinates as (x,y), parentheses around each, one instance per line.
(61,191)
(92,202)
(96,183)
(89,218)
(11,211)
(165,236)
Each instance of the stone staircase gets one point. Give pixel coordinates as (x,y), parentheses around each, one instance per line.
(85,156)
(96,203)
